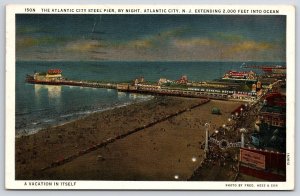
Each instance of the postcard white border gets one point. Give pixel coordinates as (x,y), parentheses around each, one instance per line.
(11,183)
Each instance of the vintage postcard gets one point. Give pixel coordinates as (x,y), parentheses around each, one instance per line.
(164,97)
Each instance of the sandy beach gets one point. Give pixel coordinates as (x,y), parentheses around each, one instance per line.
(167,150)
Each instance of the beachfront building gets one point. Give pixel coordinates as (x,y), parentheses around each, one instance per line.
(244,95)
(242,90)
(274,110)
(271,122)
(275,99)
(274,87)
(274,116)
(236,91)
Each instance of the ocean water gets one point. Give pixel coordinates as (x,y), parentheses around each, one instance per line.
(39,106)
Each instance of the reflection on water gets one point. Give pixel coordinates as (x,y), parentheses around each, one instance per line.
(121,94)
(48,92)
(38,90)
(139,96)
(54,92)
(133,96)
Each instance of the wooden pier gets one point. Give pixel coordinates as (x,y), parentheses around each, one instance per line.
(127,87)
(77,83)
(90,84)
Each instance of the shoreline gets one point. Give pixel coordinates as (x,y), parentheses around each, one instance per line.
(88,112)
(38,151)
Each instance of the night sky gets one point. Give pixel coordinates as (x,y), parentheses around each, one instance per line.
(151,37)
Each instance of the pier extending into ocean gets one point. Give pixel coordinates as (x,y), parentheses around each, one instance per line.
(238,86)
(127,87)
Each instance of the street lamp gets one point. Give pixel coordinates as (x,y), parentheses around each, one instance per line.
(224,127)
(207,125)
(194,159)
(216,131)
(243,130)
(236,114)
(230,123)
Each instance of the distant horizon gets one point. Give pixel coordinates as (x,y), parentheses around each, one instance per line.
(65,60)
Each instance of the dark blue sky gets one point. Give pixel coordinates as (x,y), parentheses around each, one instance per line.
(150,37)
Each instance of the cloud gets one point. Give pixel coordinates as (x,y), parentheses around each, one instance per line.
(251,46)
(141,44)
(230,37)
(25,42)
(171,44)
(25,30)
(253,50)
(173,33)
(83,45)
(160,39)
(193,42)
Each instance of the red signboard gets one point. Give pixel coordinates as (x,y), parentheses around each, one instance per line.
(253,159)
